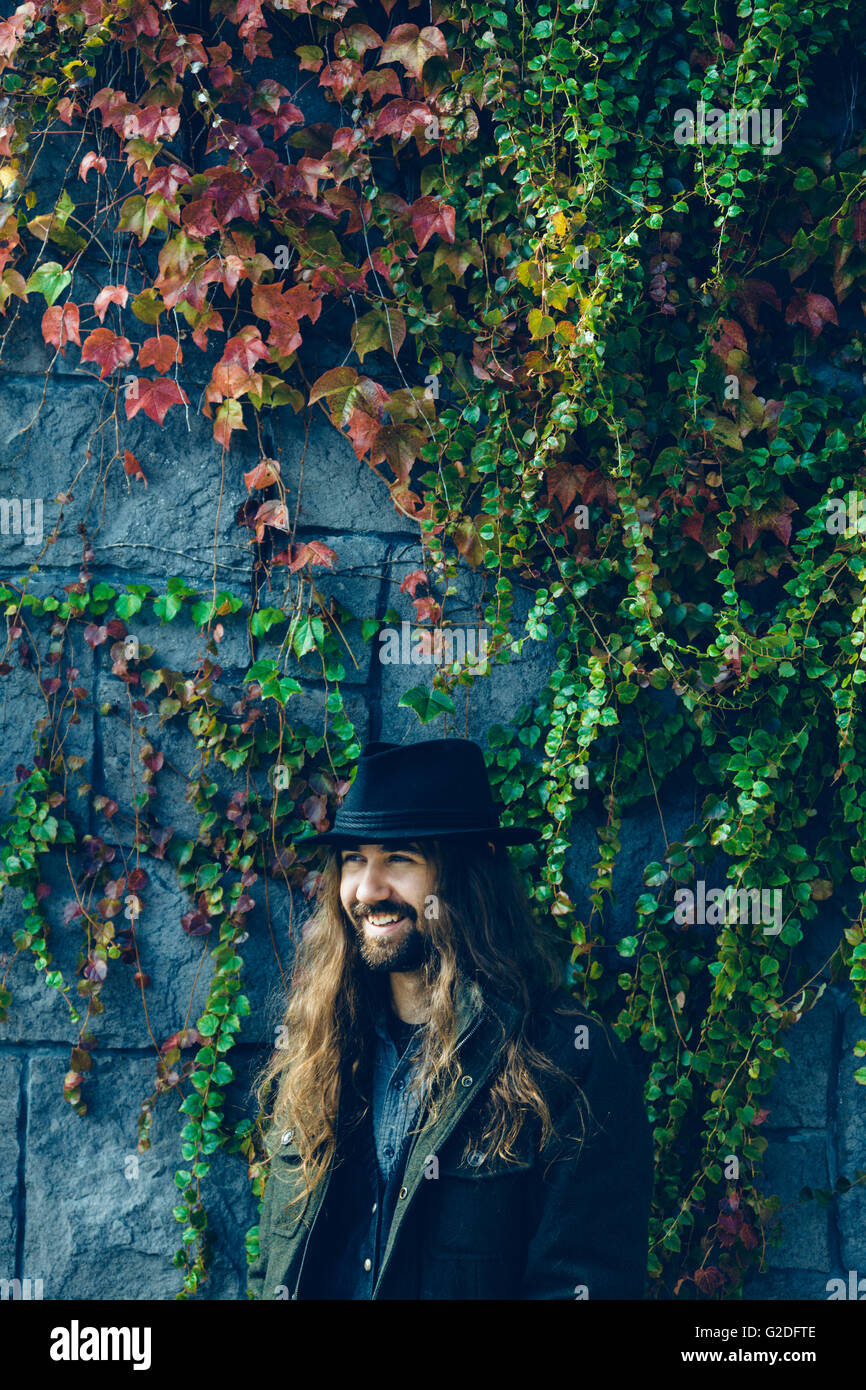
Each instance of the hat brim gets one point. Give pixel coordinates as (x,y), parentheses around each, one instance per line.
(501,834)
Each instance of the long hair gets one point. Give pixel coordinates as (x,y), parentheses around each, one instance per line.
(484,932)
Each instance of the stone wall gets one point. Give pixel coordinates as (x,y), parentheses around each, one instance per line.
(79,1209)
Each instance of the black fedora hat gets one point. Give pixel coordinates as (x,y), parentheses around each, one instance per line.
(412,791)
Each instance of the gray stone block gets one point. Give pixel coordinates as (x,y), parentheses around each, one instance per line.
(168,955)
(102,1228)
(798,1098)
(122,745)
(181,646)
(335,488)
(789,1165)
(145,530)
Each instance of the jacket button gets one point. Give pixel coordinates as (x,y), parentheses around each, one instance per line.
(467,1081)
(287,1136)
(368,1265)
(404,1192)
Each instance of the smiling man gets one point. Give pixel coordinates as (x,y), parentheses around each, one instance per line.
(447,1123)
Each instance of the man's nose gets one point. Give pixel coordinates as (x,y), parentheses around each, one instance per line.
(373,886)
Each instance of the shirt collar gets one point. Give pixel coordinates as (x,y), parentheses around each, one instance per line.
(470,1002)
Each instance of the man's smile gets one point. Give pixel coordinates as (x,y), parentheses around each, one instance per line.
(384,923)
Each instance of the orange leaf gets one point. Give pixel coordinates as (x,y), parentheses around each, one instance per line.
(230,379)
(264,474)
(132,467)
(409,585)
(246,348)
(160,352)
(309,553)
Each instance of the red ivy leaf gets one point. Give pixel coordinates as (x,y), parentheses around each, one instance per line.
(94,636)
(412,47)
(309,553)
(710,1279)
(315,810)
(274,514)
(380,84)
(431,215)
(246,349)
(112,294)
(409,585)
(91,161)
(751,295)
(154,398)
(341,77)
(60,324)
(400,118)
(355,41)
(109,350)
(812,310)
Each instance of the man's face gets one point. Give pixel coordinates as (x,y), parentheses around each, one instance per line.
(391,882)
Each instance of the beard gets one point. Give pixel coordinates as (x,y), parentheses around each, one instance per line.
(406,950)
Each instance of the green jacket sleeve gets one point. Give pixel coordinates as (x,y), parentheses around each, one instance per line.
(257,1270)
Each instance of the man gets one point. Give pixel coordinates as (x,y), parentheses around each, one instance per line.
(447,1123)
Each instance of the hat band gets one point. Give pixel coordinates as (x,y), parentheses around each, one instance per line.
(457,815)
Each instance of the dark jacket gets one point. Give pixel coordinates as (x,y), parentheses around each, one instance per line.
(564,1223)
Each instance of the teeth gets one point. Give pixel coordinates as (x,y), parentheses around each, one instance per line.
(380,921)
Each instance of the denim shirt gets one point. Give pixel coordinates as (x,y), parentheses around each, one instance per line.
(396,1105)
